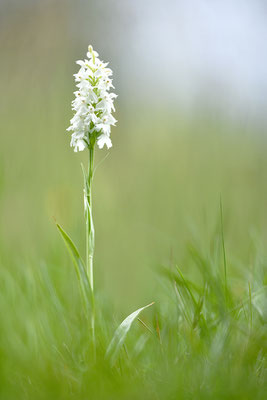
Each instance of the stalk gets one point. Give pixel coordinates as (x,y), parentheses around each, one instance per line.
(90,239)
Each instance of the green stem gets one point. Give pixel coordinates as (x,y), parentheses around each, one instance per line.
(90,225)
(90,239)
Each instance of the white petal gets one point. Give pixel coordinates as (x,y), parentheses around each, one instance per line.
(104,140)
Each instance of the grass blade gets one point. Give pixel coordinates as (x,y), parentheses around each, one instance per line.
(223,248)
(121,333)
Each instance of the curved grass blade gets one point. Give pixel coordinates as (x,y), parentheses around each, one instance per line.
(121,333)
(79,267)
(181,282)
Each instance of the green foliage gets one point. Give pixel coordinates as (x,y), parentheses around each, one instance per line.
(194,343)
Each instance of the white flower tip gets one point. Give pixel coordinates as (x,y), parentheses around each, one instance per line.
(92,53)
(108,143)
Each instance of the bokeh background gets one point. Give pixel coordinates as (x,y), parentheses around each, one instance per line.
(191,79)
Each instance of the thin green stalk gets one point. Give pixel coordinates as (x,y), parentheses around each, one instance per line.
(90,226)
(250,308)
(90,238)
(223,248)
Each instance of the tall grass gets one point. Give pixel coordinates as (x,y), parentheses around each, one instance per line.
(200,341)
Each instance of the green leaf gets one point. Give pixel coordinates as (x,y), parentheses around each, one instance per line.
(88,214)
(79,267)
(121,333)
(85,180)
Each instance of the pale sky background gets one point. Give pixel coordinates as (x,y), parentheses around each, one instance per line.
(190,51)
(177,52)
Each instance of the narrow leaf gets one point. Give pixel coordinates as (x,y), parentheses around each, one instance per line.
(79,267)
(121,333)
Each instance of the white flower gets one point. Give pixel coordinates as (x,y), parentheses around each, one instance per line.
(93,104)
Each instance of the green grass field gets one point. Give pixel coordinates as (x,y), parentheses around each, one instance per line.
(161,236)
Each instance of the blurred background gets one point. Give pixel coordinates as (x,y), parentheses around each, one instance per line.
(192,83)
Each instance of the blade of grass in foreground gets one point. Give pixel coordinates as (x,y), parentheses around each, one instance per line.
(121,333)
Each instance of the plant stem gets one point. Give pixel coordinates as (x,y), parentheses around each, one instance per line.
(223,248)
(90,240)
(90,225)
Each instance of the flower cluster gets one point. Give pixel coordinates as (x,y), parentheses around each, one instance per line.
(93,104)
